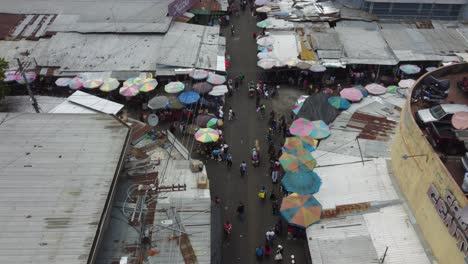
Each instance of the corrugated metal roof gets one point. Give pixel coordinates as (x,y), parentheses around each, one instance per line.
(352,183)
(95,103)
(56,175)
(364,238)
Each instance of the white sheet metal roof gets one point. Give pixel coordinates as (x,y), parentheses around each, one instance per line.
(123,16)
(363,44)
(352,183)
(184,45)
(364,238)
(285,44)
(57,171)
(95,103)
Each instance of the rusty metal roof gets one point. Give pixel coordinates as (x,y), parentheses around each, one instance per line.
(372,127)
(57,174)
(7,23)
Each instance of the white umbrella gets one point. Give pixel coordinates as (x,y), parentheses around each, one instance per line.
(63,82)
(263,9)
(375,89)
(406,83)
(317,68)
(303,65)
(267,63)
(218,90)
(291,62)
(263,55)
(266,41)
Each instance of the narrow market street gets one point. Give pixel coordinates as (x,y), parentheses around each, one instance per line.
(241,134)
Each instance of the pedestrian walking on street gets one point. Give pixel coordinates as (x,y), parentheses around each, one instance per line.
(232,30)
(231,114)
(270,236)
(274,207)
(267,251)
(262,193)
(243,168)
(229,160)
(240,211)
(257,101)
(259,253)
(274,177)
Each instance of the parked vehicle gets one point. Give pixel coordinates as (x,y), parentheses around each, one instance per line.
(442,137)
(439,112)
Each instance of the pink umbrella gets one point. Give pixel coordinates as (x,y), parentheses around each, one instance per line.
(10,76)
(460,120)
(406,83)
(375,89)
(129,90)
(301,127)
(352,94)
(30,77)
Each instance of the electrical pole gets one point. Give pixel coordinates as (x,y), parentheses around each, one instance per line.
(23,74)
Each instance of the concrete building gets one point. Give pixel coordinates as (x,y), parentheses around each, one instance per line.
(430,179)
(57,183)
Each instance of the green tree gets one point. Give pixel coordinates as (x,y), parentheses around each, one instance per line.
(4,90)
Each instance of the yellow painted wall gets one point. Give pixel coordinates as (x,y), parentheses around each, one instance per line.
(414,176)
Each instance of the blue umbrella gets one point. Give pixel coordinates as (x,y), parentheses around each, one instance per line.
(362,90)
(302,182)
(189,97)
(339,103)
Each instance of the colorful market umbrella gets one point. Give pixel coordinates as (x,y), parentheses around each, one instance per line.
(174,87)
(298,105)
(301,127)
(30,77)
(352,94)
(189,97)
(298,160)
(216,79)
(202,120)
(362,90)
(76,83)
(292,143)
(392,89)
(133,81)
(218,90)
(198,74)
(109,84)
(410,69)
(406,83)
(158,102)
(301,210)
(302,183)
(202,87)
(266,49)
(263,9)
(206,135)
(320,130)
(174,103)
(309,143)
(260,2)
(375,89)
(148,84)
(460,120)
(92,84)
(212,123)
(264,23)
(11,76)
(266,41)
(129,90)
(339,103)
(63,82)
(317,68)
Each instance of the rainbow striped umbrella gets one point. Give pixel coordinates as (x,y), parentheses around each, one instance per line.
(129,90)
(206,135)
(310,143)
(292,143)
(319,130)
(301,127)
(302,182)
(76,83)
(410,68)
(301,210)
(133,81)
(92,84)
(298,105)
(109,84)
(174,87)
(299,160)
(148,85)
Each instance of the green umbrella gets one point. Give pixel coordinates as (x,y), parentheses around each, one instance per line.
(213,122)
(392,89)
(264,23)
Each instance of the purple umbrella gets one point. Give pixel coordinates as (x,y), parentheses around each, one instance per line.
(202,87)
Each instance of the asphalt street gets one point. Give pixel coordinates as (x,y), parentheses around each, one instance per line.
(241,134)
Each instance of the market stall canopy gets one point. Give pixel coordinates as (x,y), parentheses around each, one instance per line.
(76,83)
(392,89)
(129,90)
(30,77)
(301,127)
(62,82)
(264,23)
(216,79)
(297,160)
(316,107)
(317,68)
(92,84)
(11,76)
(301,210)
(174,103)
(158,102)
(202,87)
(202,120)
